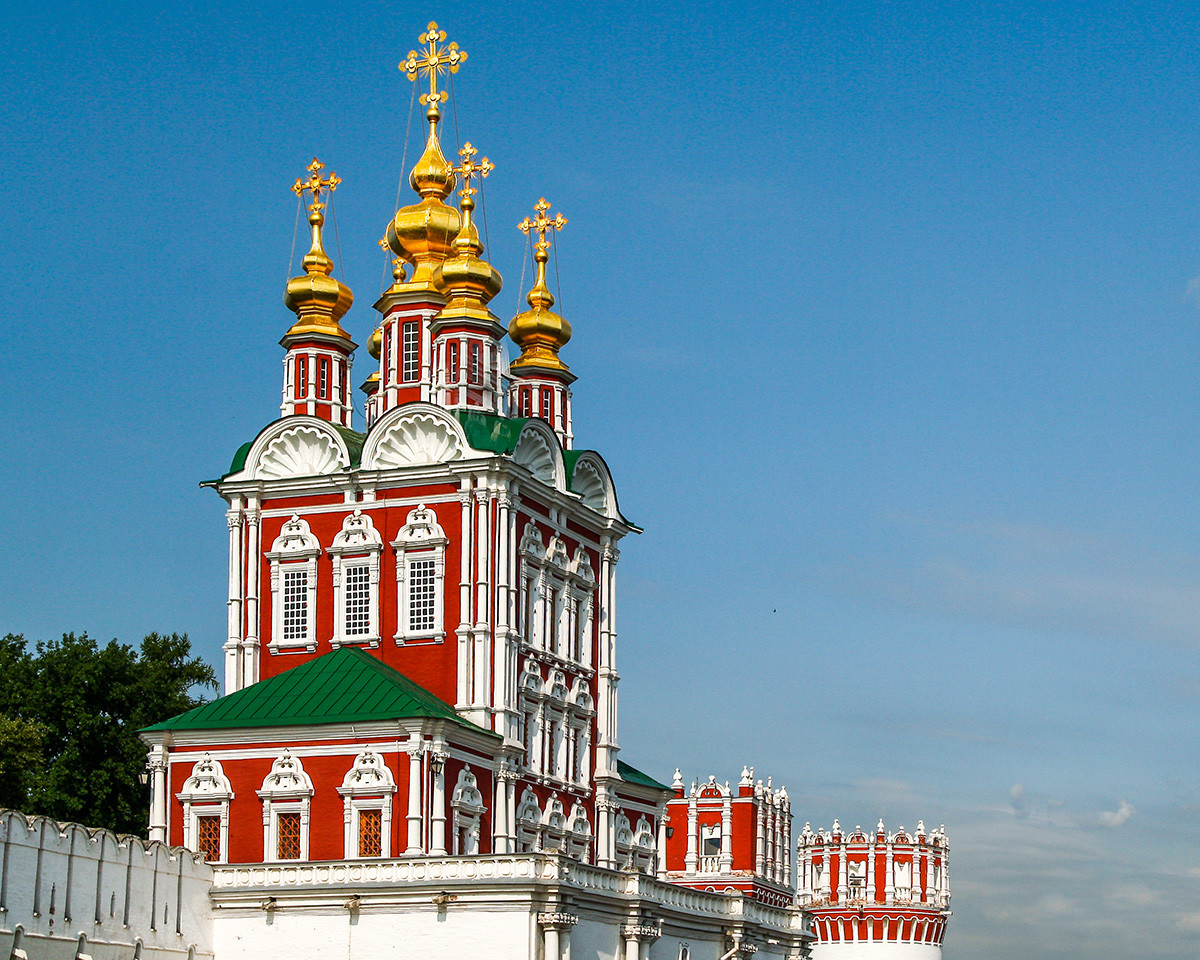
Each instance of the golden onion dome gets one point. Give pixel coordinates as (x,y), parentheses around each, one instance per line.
(423,233)
(375,343)
(539,332)
(468,280)
(318,300)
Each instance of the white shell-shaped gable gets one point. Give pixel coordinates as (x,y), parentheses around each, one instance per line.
(297,447)
(412,435)
(593,483)
(538,450)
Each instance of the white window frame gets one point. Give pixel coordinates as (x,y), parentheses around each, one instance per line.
(529,823)
(357,544)
(368,785)
(206,793)
(579,833)
(554,826)
(286,789)
(421,538)
(467,804)
(294,550)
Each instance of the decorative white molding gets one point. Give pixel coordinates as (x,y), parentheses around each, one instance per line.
(287,789)
(303,450)
(419,543)
(295,550)
(406,437)
(206,793)
(467,804)
(368,786)
(356,545)
(539,452)
(591,481)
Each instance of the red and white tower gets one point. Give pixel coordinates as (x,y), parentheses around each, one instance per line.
(317,363)
(876,896)
(541,382)
(731,839)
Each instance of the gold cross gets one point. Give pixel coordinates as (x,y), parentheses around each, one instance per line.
(469,169)
(543,224)
(432,61)
(314,184)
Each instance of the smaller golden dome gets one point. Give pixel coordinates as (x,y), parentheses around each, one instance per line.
(375,343)
(469,280)
(318,300)
(539,332)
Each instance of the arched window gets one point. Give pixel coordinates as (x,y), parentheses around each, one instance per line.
(420,577)
(355,553)
(293,558)
(467,804)
(286,795)
(579,833)
(554,827)
(643,846)
(529,823)
(205,797)
(367,803)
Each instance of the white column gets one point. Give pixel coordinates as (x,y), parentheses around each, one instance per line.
(500,812)
(726,862)
(437,763)
(504,707)
(631,947)
(481,675)
(158,793)
(552,951)
(415,749)
(233,642)
(465,659)
(250,646)
(691,860)
(662,843)
(888,887)
(760,852)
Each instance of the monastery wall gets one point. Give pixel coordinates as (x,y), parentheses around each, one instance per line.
(70,893)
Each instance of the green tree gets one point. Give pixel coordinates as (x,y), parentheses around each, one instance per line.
(74,708)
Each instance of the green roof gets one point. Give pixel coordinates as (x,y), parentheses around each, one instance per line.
(345,686)
(633,775)
(354,444)
(486,431)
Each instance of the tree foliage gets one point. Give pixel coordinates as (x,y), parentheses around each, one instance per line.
(69,715)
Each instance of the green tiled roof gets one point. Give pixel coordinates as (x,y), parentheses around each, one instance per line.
(633,775)
(486,431)
(345,686)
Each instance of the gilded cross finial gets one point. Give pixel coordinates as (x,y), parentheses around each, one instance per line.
(315,184)
(542,225)
(468,169)
(432,61)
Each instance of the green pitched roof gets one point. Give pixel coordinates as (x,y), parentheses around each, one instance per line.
(486,431)
(633,775)
(345,686)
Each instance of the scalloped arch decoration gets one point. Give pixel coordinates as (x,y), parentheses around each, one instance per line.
(417,438)
(302,451)
(590,484)
(535,452)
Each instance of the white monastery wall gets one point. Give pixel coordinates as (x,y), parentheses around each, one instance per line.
(504,907)
(70,893)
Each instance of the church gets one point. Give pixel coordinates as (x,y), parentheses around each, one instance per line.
(417,752)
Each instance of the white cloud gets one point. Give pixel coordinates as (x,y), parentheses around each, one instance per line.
(1115,818)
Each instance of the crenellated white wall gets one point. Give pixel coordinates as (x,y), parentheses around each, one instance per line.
(72,893)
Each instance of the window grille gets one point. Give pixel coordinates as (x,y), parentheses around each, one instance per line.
(411,353)
(452,362)
(208,837)
(302,376)
(287,845)
(547,405)
(295,605)
(356,582)
(476,371)
(323,379)
(524,402)
(370,833)
(421,595)
(341,381)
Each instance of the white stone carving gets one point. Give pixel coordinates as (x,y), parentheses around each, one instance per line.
(207,782)
(300,451)
(414,437)
(286,780)
(369,774)
(591,483)
(537,450)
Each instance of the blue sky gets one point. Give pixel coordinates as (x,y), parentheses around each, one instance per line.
(886,319)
